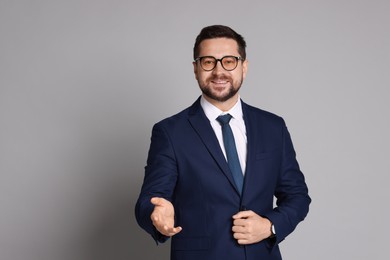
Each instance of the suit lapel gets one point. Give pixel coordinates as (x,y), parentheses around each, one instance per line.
(253,132)
(202,126)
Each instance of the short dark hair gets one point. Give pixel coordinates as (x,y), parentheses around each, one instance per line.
(220,31)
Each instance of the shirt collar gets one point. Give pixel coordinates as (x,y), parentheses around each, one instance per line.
(212,112)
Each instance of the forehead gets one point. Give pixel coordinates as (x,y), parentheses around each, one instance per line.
(218,47)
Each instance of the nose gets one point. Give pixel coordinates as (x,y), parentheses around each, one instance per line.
(218,68)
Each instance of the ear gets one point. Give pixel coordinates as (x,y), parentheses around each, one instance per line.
(244,68)
(195,70)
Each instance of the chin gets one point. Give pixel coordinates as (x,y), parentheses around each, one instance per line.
(221,96)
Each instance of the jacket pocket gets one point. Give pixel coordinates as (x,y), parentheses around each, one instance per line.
(267,155)
(190,243)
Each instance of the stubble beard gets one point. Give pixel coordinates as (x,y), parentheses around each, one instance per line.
(208,92)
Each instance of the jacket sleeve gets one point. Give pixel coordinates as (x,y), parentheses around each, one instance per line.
(291,192)
(159,180)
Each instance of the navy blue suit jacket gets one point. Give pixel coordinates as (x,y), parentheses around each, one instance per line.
(187,167)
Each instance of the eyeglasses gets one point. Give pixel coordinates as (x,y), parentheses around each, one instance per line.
(208,63)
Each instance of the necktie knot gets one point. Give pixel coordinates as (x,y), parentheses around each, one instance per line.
(224,119)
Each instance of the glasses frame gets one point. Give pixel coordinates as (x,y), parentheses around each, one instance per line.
(220,60)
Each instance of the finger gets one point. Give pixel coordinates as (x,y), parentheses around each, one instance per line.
(238,229)
(156,216)
(243,214)
(172,231)
(239,236)
(175,230)
(157,223)
(163,229)
(243,241)
(239,222)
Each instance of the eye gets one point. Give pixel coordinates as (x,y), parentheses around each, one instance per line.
(229,60)
(208,61)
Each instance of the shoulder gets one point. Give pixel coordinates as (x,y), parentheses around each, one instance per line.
(175,123)
(261,115)
(176,118)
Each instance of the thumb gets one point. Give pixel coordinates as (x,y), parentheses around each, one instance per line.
(157,201)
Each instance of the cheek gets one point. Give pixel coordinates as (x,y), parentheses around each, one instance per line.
(238,76)
(202,76)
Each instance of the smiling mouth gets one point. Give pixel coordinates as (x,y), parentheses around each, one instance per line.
(219,82)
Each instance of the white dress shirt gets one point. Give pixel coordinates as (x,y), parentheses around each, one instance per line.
(237,125)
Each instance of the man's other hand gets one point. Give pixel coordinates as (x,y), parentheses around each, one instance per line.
(163,217)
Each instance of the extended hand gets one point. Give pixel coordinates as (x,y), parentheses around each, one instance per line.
(249,228)
(163,217)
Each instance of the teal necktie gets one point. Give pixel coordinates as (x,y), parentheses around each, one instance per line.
(231,151)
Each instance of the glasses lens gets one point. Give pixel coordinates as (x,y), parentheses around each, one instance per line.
(229,62)
(208,63)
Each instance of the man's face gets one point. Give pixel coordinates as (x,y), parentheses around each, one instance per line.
(219,84)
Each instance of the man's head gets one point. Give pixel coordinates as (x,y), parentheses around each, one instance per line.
(220,64)
(220,31)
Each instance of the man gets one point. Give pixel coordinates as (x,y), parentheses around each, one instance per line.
(213,169)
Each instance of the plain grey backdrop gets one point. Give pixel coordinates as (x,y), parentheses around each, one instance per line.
(82,83)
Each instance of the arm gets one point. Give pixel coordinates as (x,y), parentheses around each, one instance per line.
(292,203)
(291,193)
(159,181)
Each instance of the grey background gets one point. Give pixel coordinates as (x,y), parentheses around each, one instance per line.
(82,83)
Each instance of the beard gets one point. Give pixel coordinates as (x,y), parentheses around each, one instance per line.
(232,89)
